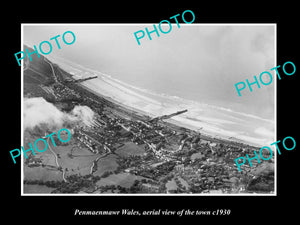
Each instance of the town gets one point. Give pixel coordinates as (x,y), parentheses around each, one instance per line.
(143,154)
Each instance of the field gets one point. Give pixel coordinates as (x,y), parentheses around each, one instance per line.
(47,158)
(79,162)
(130,148)
(122,179)
(108,163)
(42,173)
(37,189)
(171,185)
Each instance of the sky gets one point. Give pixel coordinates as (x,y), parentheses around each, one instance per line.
(196,62)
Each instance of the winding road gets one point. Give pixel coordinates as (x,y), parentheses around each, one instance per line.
(55,155)
(56,161)
(100,157)
(54,76)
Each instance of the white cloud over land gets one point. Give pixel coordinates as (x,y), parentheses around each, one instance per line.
(38,111)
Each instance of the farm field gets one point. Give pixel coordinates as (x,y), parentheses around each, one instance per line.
(171,185)
(130,148)
(122,179)
(109,163)
(42,173)
(39,189)
(79,162)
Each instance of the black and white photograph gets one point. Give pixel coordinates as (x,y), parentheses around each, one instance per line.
(131,109)
(149,113)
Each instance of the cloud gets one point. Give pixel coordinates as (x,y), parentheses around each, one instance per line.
(84,114)
(38,111)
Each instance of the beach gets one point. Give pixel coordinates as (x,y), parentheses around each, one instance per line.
(212,120)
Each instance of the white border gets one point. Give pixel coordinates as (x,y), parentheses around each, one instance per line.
(22,127)
(134,24)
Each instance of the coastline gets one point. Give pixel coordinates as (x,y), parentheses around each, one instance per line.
(139,112)
(145,115)
(212,120)
(206,135)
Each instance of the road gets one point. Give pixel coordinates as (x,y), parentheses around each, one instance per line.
(56,160)
(100,157)
(55,78)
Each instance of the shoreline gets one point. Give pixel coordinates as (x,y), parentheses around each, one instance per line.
(206,135)
(140,113)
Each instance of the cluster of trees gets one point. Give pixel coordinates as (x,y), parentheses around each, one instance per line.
(262,183)
(166,178)
(51,183)
(158,171)
(106,174)
(75,183)
(107,188)
(130,161)
(166,167)
(196,189)
(135,188)
(180,185)
(150,155)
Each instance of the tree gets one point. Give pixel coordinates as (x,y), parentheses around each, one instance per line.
(106,174)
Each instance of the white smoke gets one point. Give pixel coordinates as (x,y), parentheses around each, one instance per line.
(38,111)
